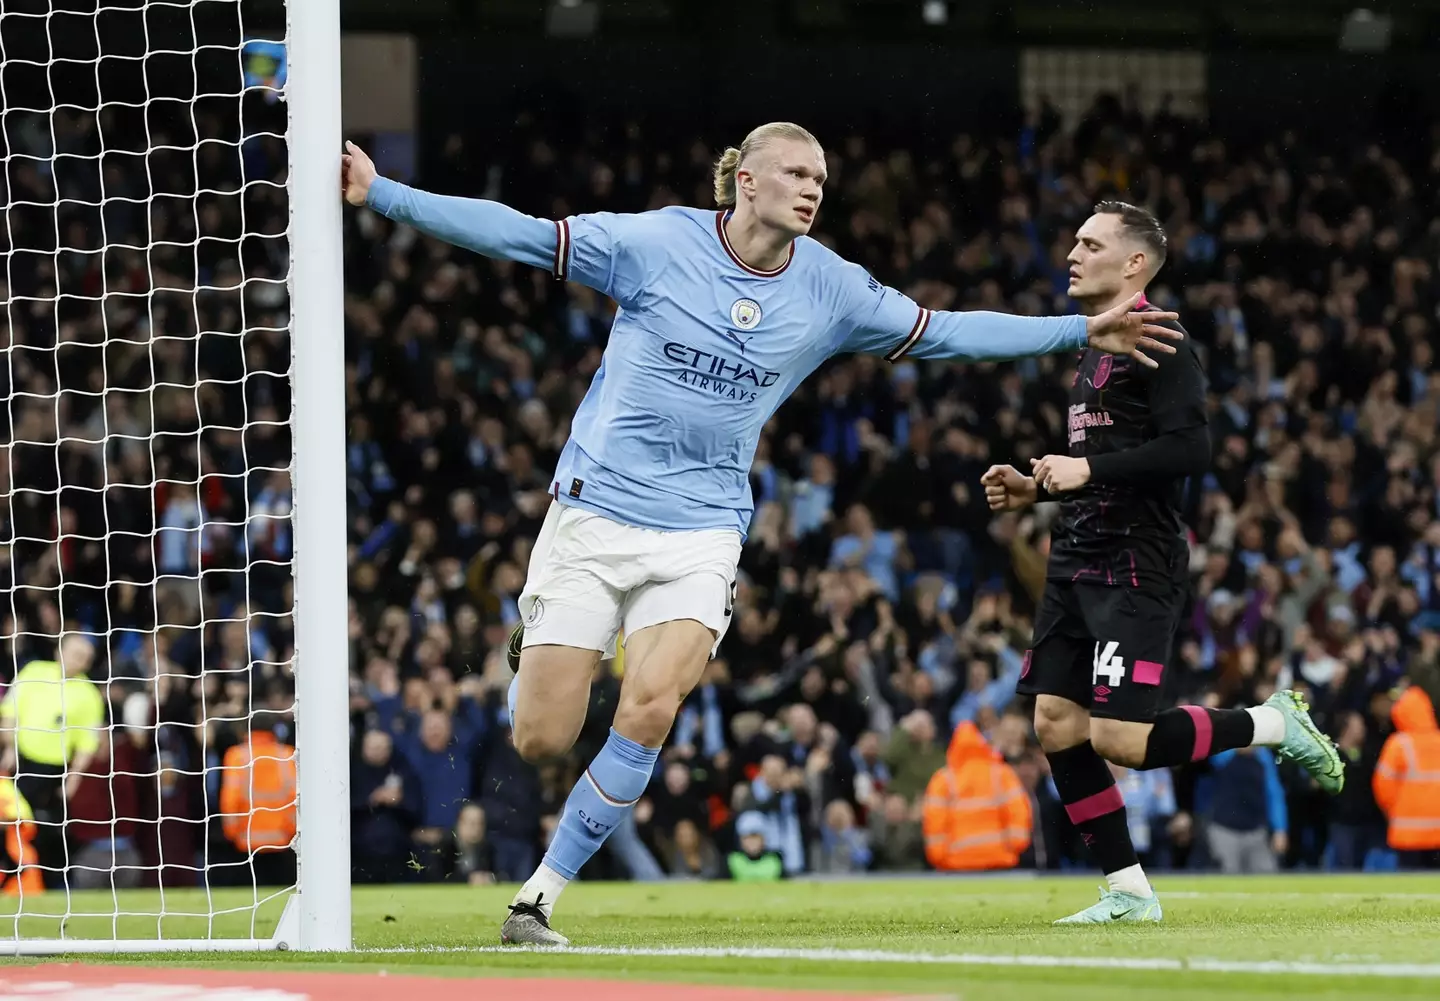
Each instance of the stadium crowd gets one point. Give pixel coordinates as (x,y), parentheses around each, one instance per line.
(883,614)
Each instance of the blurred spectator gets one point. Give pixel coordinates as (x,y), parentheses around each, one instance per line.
(776,799)
(693,855)
(257,803)
(1407,781)
(1149,809)
(844,847)
(20,874)
(896,836)
(984,688)
(1357,827)
(670,803)
(474,858)
(441,754)
(50,761)
(1248,829)
(871,776)
(977,815)
(385,804)
(752,862)
(102,815)
(514,800)
(876,553)
(913,756)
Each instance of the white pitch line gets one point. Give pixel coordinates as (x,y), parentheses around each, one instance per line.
(1258,895)
(960,959)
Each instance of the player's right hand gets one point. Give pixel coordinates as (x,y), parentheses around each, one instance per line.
(1007,489)
(1122,331)
(357,171)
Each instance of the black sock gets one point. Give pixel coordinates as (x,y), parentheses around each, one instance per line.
(1094,805)
(1191,733)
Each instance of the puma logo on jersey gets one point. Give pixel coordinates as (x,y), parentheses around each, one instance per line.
(739,341)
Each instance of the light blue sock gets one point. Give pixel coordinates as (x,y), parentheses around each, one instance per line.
(601,798)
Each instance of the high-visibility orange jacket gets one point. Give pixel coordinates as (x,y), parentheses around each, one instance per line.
(18,825)
(257,794)
(1407,777)
(977,815)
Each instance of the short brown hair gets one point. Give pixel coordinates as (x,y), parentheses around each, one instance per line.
(1139,224)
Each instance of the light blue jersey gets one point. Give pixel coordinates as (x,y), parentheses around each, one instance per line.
(704,348)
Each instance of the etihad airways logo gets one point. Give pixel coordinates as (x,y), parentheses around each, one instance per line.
(1081,419)
(717,375)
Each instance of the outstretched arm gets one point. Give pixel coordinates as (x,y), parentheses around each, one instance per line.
(986,336)
(587,248)
(485,227)
(876,319)
(885,322)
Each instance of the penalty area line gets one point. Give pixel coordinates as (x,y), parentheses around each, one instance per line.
(958,959)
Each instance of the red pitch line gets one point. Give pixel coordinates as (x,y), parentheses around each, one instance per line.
(61,981)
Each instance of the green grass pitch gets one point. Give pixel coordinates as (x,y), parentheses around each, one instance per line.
(1323,937)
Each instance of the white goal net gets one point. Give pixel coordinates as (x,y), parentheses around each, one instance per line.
(149,792)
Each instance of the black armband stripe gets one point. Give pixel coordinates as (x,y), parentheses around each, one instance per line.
(916,332)
(561,269)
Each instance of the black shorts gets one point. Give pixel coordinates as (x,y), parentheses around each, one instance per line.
(1103,647)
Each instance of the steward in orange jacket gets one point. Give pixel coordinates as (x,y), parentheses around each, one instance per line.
(19,864)
(977,815)
(257,793)
(1407,777)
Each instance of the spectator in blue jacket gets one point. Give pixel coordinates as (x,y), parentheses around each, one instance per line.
(442,754)
(510,790)
(1149,808)
(384,807)
(1249,823)
(984,689)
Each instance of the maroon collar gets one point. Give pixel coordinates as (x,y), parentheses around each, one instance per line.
(720,218)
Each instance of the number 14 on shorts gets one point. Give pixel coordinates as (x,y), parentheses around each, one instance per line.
(1108,665)
(1108,668)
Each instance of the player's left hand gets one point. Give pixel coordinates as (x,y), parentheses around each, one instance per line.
(1121,331)
(357,173)
(1061,473)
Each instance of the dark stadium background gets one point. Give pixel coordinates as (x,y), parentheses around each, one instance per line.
(1314,300)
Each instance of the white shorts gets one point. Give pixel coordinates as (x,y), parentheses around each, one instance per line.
(590,577)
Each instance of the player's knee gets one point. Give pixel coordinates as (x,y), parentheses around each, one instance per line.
(536,744)
(1119,741)
(1060,723)
(646,712)
(538,740)
(662,665)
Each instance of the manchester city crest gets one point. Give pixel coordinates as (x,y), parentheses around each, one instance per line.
(745,314)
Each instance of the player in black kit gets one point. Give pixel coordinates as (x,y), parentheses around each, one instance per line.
(1118,575)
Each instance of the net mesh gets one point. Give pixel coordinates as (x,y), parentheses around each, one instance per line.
(146,494)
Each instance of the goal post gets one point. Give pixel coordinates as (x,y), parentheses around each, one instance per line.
(172,478)
(321,595)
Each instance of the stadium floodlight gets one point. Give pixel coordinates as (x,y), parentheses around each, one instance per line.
(936,12)
(173,304)
(572,18)
(1365,31)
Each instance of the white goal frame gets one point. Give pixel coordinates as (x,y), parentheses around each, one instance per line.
(317,916)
